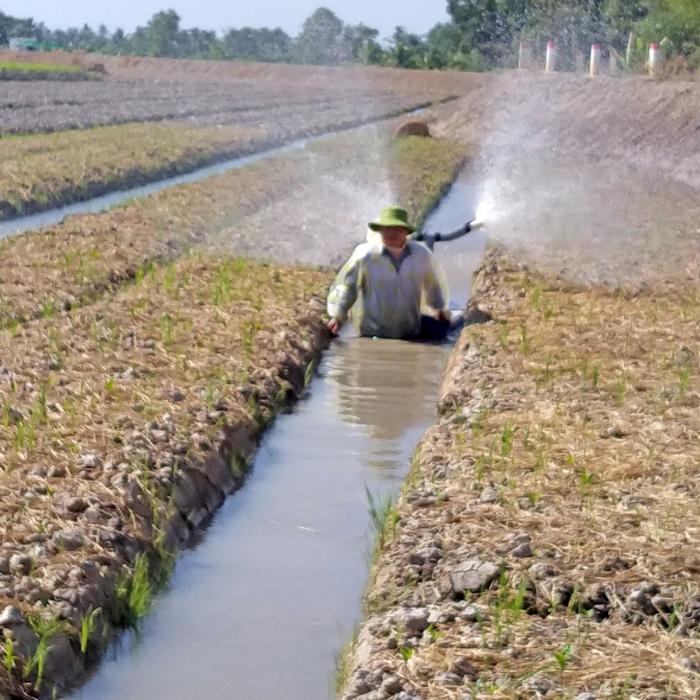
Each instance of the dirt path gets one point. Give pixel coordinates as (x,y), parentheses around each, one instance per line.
(645,123)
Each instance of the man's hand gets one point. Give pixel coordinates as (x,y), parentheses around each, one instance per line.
(334,326)
(443,315)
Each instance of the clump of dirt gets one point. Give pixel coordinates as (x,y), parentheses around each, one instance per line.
(414,127)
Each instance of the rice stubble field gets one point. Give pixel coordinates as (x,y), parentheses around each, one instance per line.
(69,264)
(142,359)
(42,171)
(545,544)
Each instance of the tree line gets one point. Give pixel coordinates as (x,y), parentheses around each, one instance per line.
(481,34)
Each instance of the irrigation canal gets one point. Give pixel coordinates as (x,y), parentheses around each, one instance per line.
(260,607)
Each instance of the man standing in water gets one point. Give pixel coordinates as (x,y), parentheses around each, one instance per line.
(384,281)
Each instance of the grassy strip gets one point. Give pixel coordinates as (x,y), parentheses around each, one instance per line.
(41,67)
(564,458)
(47,170)
(85,256)
(124,425)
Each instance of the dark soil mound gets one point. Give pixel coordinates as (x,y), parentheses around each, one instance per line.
(415,127)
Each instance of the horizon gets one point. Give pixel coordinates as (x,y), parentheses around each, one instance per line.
(417,18)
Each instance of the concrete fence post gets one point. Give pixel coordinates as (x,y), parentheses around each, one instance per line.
(629,51)
(612,62)
(525,56)
(595,59)
(551,60)
(656,59)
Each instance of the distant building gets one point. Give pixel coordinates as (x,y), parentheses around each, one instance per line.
(24,44)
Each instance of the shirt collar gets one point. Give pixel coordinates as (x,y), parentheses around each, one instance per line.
(404,253)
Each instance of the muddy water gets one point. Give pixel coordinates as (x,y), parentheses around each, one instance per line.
(258,610)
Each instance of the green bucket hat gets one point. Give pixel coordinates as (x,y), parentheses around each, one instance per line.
(392,216)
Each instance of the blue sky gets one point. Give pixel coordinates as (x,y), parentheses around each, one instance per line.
(415,15)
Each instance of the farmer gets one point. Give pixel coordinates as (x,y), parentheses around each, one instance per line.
(384,281)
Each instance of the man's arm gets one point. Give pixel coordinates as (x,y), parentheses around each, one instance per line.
(435,286)
(343,293)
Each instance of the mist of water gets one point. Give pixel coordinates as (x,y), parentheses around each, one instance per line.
(325,215)
(545,195)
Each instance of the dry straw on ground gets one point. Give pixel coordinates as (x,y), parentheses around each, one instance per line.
(78,260)
(126,419)
(40,171)
(564,468)
(124,425)
(287,98)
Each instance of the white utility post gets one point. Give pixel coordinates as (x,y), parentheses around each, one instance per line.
(656,59)
(551,61)
(525,56)
(595,59)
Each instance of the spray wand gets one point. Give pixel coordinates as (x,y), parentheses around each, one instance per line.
(430,239)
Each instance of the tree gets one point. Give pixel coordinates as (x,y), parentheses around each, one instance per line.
(623,15)
(257,44)
(408,50)
(162,34)
(360,44)
(442,42)
(320,40)
(87,39)
(196,43)
(677,20)
(118,41)
(490,25)
(11,27)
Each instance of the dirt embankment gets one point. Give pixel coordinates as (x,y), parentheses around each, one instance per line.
(646,123)
(597,177)
(124,427)
(546,542)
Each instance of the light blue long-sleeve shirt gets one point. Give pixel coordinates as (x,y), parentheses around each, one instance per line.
(385,294)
